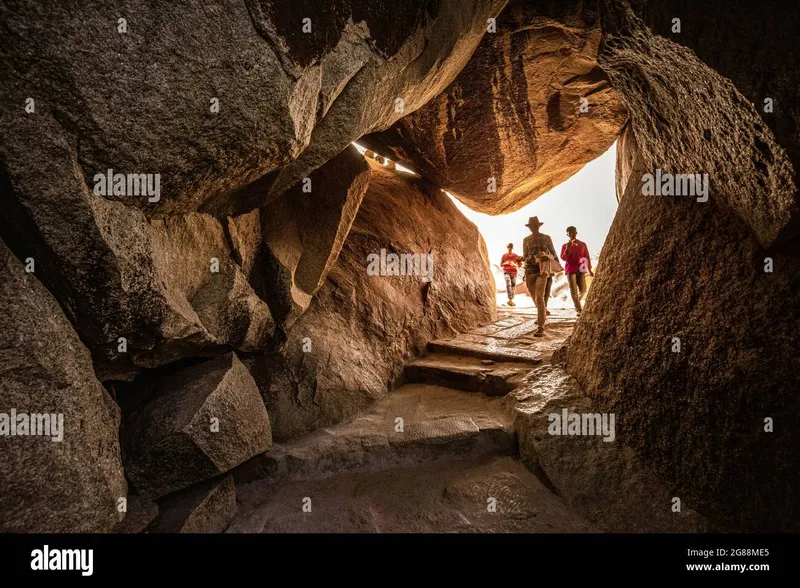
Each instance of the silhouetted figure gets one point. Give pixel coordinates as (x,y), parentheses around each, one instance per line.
(578,263)
(510,262)
(539,254)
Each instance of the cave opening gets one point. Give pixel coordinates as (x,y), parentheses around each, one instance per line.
(586,201)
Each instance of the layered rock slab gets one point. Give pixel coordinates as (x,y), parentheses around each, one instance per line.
(529,110)
(46,486)
(204,420)
(435,424)
(437,498)
(304,231)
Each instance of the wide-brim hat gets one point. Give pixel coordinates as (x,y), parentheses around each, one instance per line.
(534,222)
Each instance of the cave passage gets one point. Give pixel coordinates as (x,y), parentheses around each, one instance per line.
(298,328)
(443,441)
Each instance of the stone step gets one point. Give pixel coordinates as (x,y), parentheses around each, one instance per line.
(414,424)
(485,350)
(467,373)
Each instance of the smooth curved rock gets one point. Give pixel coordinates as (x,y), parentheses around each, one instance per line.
(513,115)
(69,486)
(350,345)
(204,420)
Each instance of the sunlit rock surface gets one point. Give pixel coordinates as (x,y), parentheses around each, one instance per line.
(529,110)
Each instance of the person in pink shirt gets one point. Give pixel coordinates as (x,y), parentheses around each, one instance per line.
(578,263)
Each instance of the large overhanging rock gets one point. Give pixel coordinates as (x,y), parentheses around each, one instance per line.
(215,97)
(513,125)
(683,114)
(203,421)
(741,42)
(350,346)
(213,123)
(378,72)
(66,475)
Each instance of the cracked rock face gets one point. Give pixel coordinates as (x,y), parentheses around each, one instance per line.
(203,421)
(353,340)
(72,485)
(216,97)
(514,116)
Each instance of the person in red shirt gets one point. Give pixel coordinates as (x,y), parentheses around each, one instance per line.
(510,262)
(578,263)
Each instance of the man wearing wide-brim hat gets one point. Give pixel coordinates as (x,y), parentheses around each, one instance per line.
(541,263)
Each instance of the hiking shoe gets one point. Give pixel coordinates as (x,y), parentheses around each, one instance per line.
(539,333)
(511,303)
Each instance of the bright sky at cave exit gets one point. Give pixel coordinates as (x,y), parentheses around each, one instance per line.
(587,200)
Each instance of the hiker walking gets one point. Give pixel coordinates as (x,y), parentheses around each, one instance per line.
(541,262)
(510,262)
(578,263)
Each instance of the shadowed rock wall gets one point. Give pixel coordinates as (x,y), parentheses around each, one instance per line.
(63,474)
(703,273)
(751,44)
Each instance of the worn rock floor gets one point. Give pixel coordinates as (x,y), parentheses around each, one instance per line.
(438,454)
(434,498)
